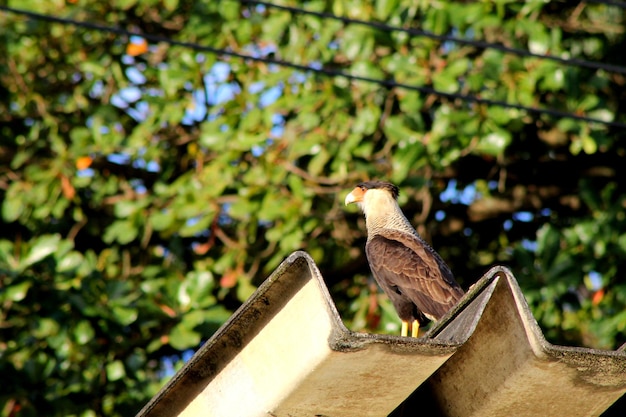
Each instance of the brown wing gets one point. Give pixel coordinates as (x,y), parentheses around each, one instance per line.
(406,265)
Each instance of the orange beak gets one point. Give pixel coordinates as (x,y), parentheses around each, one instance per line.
(355,196)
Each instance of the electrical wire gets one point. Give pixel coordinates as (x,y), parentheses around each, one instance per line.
(305,68)
(446,38)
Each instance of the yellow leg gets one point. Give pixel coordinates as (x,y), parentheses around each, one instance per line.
(415,328)
(404,332)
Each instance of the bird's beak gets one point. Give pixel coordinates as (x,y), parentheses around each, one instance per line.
(355,196)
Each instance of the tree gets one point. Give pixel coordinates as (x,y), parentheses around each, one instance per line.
(149,185)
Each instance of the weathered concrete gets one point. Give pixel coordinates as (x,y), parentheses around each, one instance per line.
(286,353)
(506,368)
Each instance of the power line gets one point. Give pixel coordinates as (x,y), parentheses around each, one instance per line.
(446,38)
(305,68)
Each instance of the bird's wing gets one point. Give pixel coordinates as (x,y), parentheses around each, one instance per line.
(407,265)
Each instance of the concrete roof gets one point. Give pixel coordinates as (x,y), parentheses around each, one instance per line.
(286,353)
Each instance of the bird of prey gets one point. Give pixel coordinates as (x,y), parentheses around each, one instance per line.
(415,278)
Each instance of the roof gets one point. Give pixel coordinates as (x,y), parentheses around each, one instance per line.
(286,352)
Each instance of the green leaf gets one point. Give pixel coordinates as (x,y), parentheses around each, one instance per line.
(548,243)
(589,145)
(83,333)
(457,67)
(12,208)
(195,226)
(125,208)
(70,261)
(385,7)
(196,289)
(357,43)
(367,70)
(245,289)
(539,42)
(445,82)
(170,5)
(436,20)
(46,328)
(17,292)
(499,115)
(43,247)
(406,160)
(125,315)
(7,257)
(115,370)
(182,337)
(229,10)
(162,220)
(122,231)
(494,143)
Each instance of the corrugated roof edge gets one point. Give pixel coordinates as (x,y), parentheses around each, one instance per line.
(495,296)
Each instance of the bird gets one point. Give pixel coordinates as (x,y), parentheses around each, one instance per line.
(411,273)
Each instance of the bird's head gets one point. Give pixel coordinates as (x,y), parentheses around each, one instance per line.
(379,202)
(372,193)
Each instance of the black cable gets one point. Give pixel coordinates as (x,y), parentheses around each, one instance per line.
(446,38)
(305,68)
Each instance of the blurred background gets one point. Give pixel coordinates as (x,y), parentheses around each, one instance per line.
(160,158)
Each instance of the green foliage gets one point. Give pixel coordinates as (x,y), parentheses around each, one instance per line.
(576,287)
(148,188)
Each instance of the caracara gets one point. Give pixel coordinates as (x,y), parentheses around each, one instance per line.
(415,278)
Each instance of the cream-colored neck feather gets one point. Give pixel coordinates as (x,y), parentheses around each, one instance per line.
(383,212)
